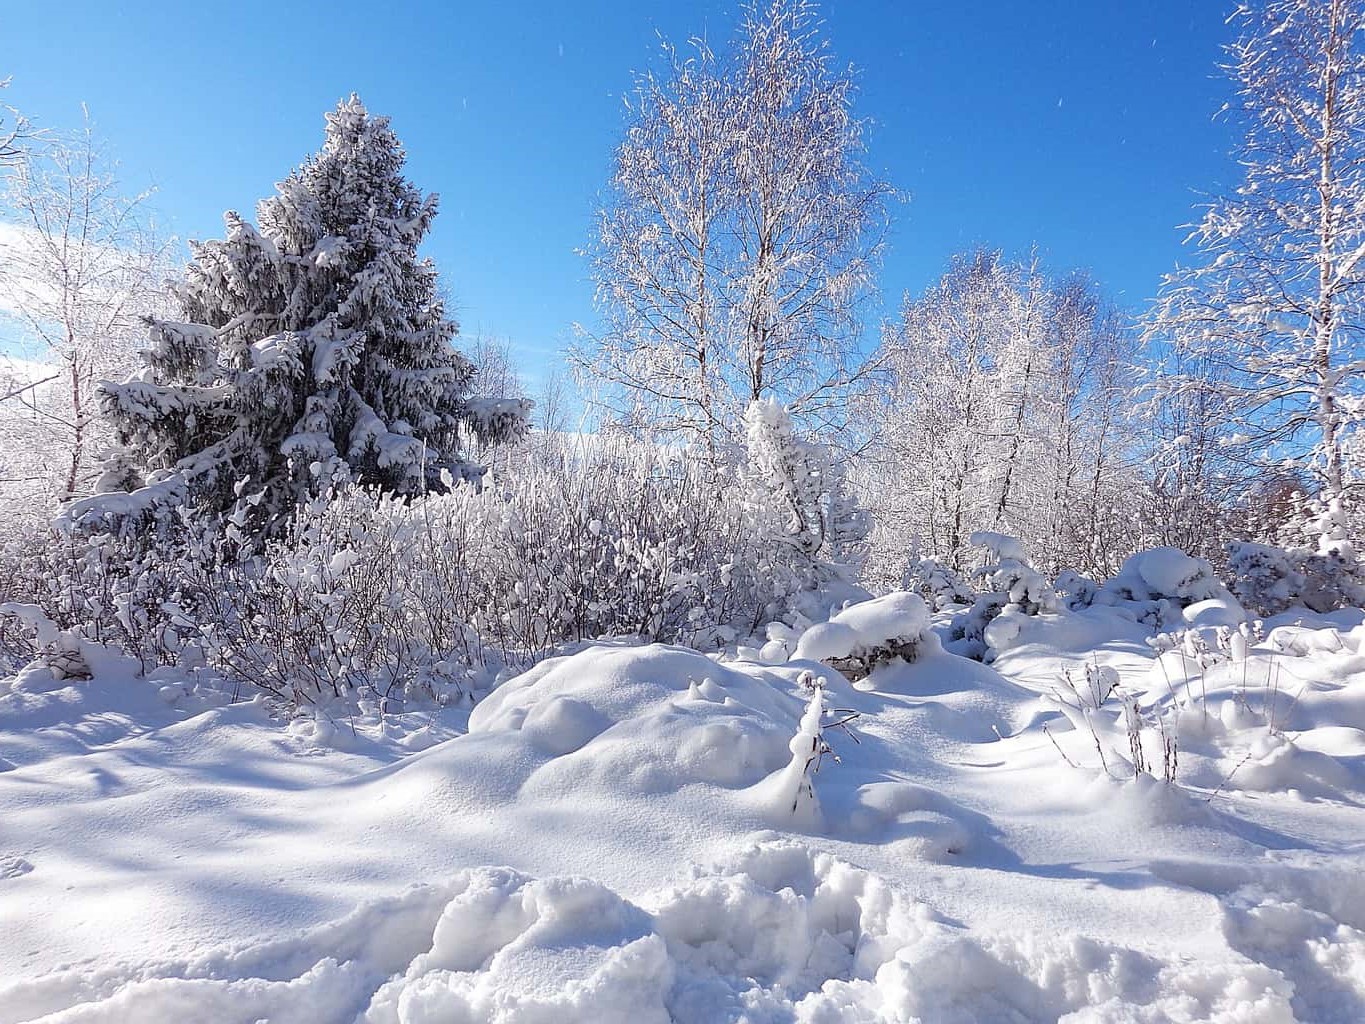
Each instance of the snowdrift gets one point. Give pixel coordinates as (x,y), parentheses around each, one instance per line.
(610,837)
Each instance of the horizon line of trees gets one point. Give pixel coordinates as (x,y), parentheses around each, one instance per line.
(734,251)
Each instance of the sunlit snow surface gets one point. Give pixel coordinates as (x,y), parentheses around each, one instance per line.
(608,838)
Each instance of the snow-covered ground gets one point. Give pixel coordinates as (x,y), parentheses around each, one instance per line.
(626,835)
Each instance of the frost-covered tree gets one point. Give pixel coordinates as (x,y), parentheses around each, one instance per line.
(314,348)
(14,130)
(1268,320)
(1000,407)
(784,476)
(79,264)
(739,233)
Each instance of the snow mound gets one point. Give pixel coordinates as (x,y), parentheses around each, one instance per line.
(643,720)
(896,624)
(1214,613)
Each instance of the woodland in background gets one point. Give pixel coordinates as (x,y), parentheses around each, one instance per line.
(282,466)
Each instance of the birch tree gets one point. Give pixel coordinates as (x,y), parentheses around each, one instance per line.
(14,130)
(1267,321)
(80,263)
(738,237)
(1002,407)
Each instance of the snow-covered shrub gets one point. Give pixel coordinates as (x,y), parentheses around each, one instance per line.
(21,566)
(395,598)
(1269,579)
(1333,579)
(1160,582)
(1315,565)
(1011,590)
(1008,572)
(1163,574)
(1264,578)
(1074,590)
(125,591)
(323,613)
(862,636)
(798,495)
(937,583)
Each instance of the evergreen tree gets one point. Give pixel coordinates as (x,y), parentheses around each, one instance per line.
(313,349)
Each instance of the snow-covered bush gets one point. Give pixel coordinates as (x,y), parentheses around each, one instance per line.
(1008,572)
(1332,579)
(126,592)
(1160,582)
(396,598)
(1270,579)
(1074,590)
(939,585)
(1163,574)
(21,565)
(1011,590)
(324,613)
(391,598)
(862,636)
(1264,578)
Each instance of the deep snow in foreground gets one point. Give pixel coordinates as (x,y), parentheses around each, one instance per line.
(625,835)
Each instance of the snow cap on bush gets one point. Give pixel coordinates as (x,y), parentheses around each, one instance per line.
(864,635)
(1163,574)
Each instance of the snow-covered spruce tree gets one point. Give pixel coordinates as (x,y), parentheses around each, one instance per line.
(312,349)
(1269,319)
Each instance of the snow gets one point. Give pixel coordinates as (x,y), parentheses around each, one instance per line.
(1164,574)
(889,621)
(610,837)
(999,546)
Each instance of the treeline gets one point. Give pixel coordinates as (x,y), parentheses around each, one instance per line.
(300,393)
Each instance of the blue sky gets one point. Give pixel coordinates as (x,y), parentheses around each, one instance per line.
(1085,126)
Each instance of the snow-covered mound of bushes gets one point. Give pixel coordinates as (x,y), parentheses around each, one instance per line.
(643,720)
(1271,580)
(864,635)
(1163,574)
(1157,584)
(1011,591)
(939,585)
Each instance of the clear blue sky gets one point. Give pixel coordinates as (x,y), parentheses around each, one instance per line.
(1082,125)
